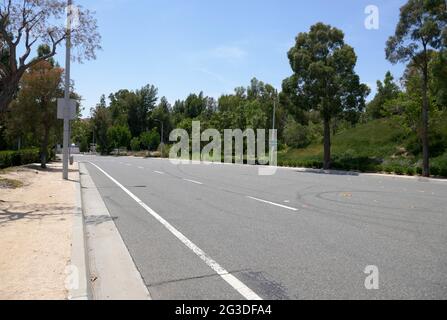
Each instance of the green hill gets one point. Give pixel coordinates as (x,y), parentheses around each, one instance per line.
(384,145)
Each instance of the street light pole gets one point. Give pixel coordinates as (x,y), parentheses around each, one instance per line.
(162,132)
(274,141)
(67,94)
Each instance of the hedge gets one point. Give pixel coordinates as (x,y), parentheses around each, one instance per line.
(18,158)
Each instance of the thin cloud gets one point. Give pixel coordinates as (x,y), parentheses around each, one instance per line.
(228,53)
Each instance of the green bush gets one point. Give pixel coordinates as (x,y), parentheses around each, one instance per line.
(135,144)
(398,170)
(18,158)
(435,170)
(296,135)
(439,165)
(150,140)
(410,171)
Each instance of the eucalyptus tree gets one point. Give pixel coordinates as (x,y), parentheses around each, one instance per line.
(420,31)
(324,79)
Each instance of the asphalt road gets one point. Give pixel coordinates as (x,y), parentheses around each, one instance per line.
(293,235)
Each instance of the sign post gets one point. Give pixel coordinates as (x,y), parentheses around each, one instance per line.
(67,94)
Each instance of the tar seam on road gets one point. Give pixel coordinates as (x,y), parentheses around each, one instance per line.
(240,287)
(192,181)
(274,204)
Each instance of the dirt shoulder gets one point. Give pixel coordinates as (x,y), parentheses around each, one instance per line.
(36,221)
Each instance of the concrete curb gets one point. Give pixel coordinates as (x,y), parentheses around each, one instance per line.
(114,275)
(310,170)
(79,289)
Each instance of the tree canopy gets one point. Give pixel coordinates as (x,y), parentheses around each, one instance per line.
(26,24)
(324,78)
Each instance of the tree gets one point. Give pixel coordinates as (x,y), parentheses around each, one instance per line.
(101,121)
(195,105)
(35,109)
(119,136)
(439,79)
(324,78)
(421,29)
(162,113)
(140,107)
(26,23)
(133,108)
(386,91)
(150,140)
(82,134)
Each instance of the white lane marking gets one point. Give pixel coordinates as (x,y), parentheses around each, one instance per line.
(274,204)
(192,181)
(238,285)
(159,172)
(140,168)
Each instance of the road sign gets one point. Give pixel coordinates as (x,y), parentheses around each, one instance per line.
(61,109)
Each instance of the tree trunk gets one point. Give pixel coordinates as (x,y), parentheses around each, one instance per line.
(327,143)
(44,149)
(424,131)
(9,87)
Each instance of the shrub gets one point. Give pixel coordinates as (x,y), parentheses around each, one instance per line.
(440,165)
(435,170)
(388,169)
(398,170)
(135,144)
(150,140)
(296,135)
(410,171)
(18,158)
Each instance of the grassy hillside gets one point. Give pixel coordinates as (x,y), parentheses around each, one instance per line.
(380,145)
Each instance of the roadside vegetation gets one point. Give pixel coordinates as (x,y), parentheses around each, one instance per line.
(324,114)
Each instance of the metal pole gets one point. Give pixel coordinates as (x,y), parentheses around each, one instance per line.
(162,131)
(273,146)
(67,93)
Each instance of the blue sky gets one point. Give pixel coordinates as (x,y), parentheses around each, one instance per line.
(184,46)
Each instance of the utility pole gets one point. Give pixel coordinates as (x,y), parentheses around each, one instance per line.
(67,93)
(274,142)
(162,138)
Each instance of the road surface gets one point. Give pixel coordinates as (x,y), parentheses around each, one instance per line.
(224,232)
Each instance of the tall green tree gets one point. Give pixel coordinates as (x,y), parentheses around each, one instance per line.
(133,108)
(140,107)
(101,122)
(421,29)
(162,113)
(386,91)
(324,78)
(35,108)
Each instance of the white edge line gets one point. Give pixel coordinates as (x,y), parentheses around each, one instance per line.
(240,287)
(192,181)
(274,204)
(159,172)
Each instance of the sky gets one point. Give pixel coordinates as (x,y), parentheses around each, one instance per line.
(214,46)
